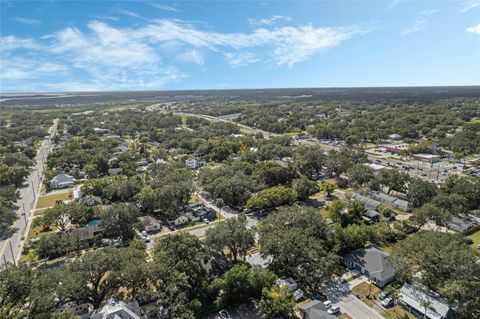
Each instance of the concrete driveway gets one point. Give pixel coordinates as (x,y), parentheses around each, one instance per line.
(339,293)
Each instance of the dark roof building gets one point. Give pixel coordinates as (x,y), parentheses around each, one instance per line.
(90,200)
(314,310)
(373,263)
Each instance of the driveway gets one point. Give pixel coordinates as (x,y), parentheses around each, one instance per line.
(339,293)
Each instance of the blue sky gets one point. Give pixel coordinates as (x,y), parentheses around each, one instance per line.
(141,45)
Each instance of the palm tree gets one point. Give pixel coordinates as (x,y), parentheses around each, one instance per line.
(426,305)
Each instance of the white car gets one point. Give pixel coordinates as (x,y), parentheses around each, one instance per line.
(388,302)
(333,310)
(224,314)
(327,304)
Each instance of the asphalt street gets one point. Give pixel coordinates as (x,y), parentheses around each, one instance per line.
(12,238)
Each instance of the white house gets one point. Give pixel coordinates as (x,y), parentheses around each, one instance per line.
(61,181)
(118,309)
(192,163)
(151,224)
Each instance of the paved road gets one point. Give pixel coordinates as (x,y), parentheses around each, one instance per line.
(12,238)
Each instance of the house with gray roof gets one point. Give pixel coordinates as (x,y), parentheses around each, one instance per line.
(61,181)
(411,298)
(391,201)
(370,204)
(314,309)
(117,309)
(373,263)
(90,200)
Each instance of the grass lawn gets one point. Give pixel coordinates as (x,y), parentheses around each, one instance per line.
(194,199)
(49,200)
(184,119)
(324,213)
(32,234)
(387,249)
(476,239)
(362,291)
(396,312)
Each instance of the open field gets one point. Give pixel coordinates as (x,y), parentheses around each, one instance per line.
(49,200)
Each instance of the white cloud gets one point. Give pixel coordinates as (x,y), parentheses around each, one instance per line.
(112,58)
(474,29)
(269,21)
(28,21)
(17,68)
(191,56)
(429,12)
(163,7)
(11,42)
(393,4)
(240,59)
(469,5)
(290,44)
(417,26)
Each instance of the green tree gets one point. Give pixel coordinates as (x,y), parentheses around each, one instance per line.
(309,160)
(305,187)
(277,303)
(241,283)
(7,216)
(393,180)
(147,199)
(272,197)
(300,244)
(420,192)
(360,175)
(233,235)
(120,221)
(328,188)
(182,255)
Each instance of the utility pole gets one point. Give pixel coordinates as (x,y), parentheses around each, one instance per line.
(11,251)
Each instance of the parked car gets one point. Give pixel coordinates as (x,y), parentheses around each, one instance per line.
(388,302)
(117,242)
(327,304)
(206,221)
(478,246)
(384,294)
(333,310)
(224,314)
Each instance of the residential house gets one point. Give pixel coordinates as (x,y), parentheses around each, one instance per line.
(117,309)
(370,204)
(314,309)
(464,223)
(150,223)
(86,233)
(90,200)
(391,201)
(289,282)
(257,260)
(411,298)
(373,263)
(192,163)
(180,220)
(61,181)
